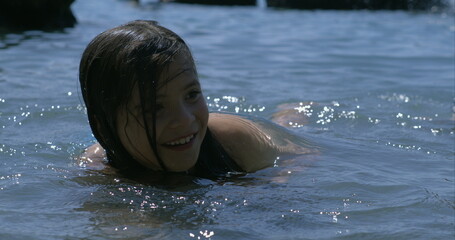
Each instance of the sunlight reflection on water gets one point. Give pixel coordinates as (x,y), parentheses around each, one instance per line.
(372,90)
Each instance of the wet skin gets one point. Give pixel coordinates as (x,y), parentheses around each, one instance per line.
(181,123)
(181,120)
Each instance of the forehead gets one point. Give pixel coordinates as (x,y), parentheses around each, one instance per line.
(180,75)
(178,72)
(182,64)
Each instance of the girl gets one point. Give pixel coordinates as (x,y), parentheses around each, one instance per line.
(146,109)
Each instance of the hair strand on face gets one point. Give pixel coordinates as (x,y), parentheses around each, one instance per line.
(113,65)
(151,139)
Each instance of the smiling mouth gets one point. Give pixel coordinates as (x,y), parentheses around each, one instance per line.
(182,143)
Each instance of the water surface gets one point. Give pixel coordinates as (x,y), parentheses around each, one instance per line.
(382,84)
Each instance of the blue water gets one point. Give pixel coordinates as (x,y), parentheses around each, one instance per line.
(382,84)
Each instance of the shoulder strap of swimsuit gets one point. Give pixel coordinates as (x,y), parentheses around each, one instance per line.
(213,161)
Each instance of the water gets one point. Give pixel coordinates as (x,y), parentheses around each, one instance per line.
(382,84)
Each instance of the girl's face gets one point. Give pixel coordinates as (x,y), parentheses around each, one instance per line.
(181,120)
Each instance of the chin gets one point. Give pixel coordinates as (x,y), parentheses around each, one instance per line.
(182,163)
(183,167)
(185,160)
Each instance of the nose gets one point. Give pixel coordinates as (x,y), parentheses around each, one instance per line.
(181,116)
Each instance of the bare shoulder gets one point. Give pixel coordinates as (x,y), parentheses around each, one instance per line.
(228,125)
(250,147)
(255,143)
(94,157)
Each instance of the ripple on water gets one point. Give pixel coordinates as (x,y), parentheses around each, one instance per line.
(382,97)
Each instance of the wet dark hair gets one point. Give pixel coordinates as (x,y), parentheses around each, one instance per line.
(133,55)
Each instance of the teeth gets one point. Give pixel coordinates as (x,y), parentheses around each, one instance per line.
(181,141)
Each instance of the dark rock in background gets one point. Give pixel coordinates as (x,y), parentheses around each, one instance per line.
(357,4)
(219,2)
(36,14)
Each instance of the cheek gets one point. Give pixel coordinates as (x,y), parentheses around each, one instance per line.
(202,113)
(134,139)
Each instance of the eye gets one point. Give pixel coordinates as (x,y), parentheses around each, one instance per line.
(193,95)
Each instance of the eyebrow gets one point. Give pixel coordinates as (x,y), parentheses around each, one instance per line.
(194,82)
(191,84)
